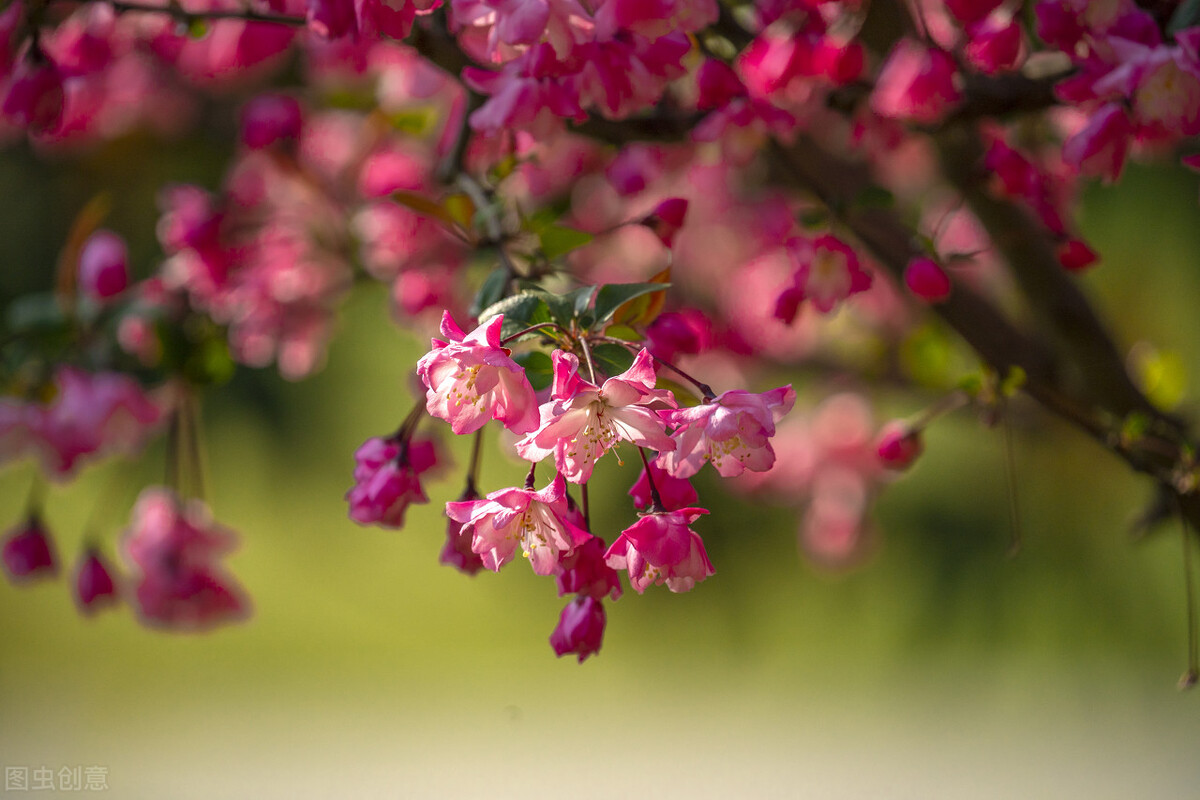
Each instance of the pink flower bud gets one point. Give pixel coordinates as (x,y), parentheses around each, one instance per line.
(916,84)
(35,95)
(927,280)
(103,266)
(666,219)
(457,551)
(1076,256)
(995,45)
(270,118)
(898,445)
(95,588)
(28,553)
(580,629)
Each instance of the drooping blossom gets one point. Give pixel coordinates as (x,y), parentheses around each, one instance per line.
(674,493)
(660,548)
(537,523)
(28,552)
(470,379)
(732,432)
(177,549)
(583,421)
(457,550)
(580,629)
(91,415)
(827,272)
(387,479)
(585,572)
(95,588)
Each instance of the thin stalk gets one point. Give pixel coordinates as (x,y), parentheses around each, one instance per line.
(587,513)
(175,11)
(473,468)
(531,329)
(706,391)
(1193,671)
(587,355)
(1010,474)
(656,503)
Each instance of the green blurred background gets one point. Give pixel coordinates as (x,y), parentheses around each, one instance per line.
(939,668)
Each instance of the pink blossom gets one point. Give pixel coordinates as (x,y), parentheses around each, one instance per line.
(994,45)
(536,522)
(103,266)
(177,547)
(35,98)
(531,92)
(969,12)
(629,73)
(732,432)
(524,22)
(91,415)
(270,118)
(387,480)
(827,271)
(1100,147)
(898,445)
(661,548)
(94,587)
(687,331)
(654,18)
(580,629)
(674,493)
(925,279)
(916,84)
(470,379)
(28,552)
(585,572)
(583,421)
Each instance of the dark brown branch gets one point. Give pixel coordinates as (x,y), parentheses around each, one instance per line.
(176,12)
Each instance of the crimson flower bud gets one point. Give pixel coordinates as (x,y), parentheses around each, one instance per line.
(898,446)
(927,280)
(28,553)
(103,265)
(580,629)
(270,118)
(95,588)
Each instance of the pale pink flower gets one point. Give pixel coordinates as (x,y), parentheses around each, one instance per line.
(471,379)
(732,432)
(583,421)
(661,548)
(827,272)
(177,547)
(103,266)
(580,629)
(536,522)
(898,445)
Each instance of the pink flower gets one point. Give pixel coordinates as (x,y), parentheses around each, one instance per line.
(666,219)
(583,421)
(95,588)
(827,272)
(675,493)
(1100,147)
(898,445)
(580,629)
(688,331)
(925,279)
(661,548)
(1075,255)
(732,432)
(103,266)
(470,379)
(585,572)
(35,96)
(270,118)
(176,546)
(537,522)
(994,45)
(531,92)
(387,480)
(916,84)
(28,553)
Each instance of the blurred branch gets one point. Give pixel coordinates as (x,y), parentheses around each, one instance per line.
(177,12)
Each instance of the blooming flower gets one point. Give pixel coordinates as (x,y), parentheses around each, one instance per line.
(731,431)
(537,522)
(675,493)
(580,629)
(827,272)
(661,548)
(916,84)
(457,551)
(583,421)
(176,546)
(585,572)
(471,379)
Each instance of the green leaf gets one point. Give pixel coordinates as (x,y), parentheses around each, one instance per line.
(581,299)
(209,363)
(623,332)
(558,240)
(1185,16)
(414,121)
(873,197)
(1015,380)
(539,368)
(683,395)
(520,311)
(35,311)
(491,292)
(197,28)
(611,296)
(611,359)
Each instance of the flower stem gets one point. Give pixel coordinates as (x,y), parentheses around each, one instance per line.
(656,503)
(531,329)
(1190,677)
